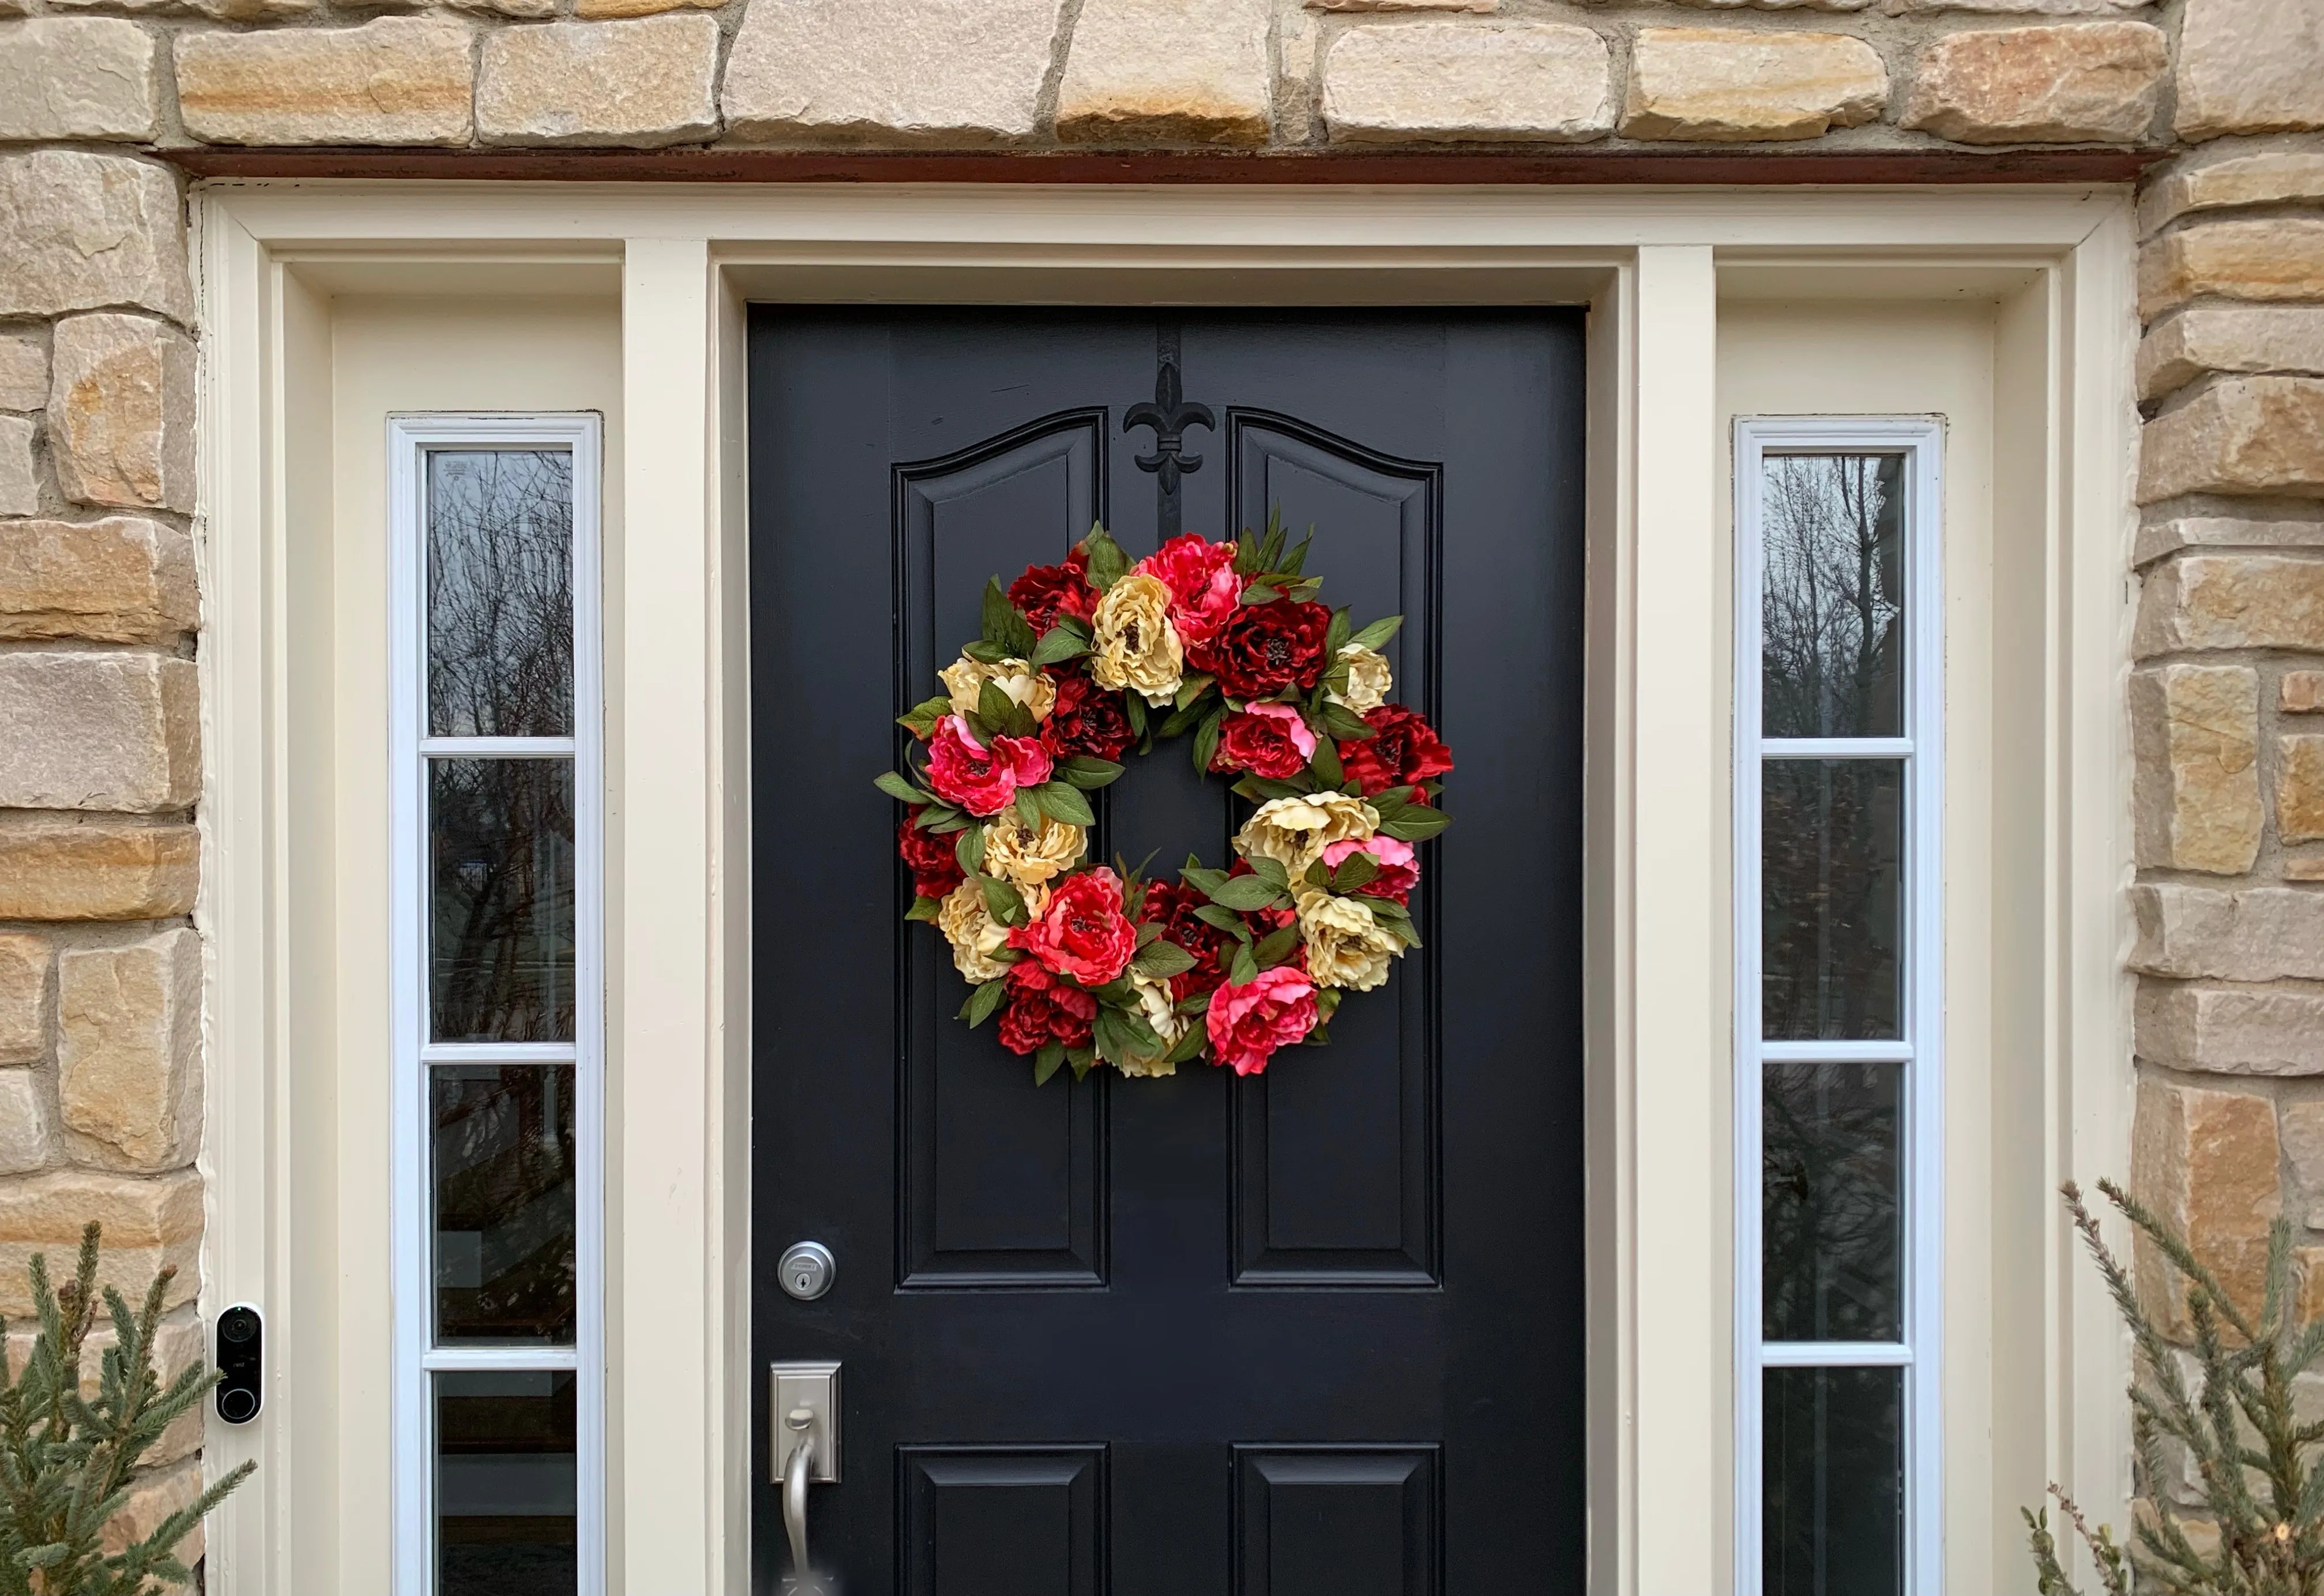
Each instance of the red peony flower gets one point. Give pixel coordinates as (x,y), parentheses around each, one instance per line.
(1399,870)
(1045,593)
(1037,1008)
(1172,906)
(1082,932)
(981,780)
(1263,649)
(1270,739)
(1086,720)
(1248,1023)
(1201,578)
(1402,751)
(934,866)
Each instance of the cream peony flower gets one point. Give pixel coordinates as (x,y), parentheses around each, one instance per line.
(965,679)
(1135,647)
(1159,1010)
(1031,856)
(1346,947)
(1294,832)
(974,935)
(1369,680)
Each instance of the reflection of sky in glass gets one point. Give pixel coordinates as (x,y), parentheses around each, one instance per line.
(500,593)
(1833,603)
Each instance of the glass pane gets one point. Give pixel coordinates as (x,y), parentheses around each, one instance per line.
(505,1484)
(1832,603)
(1832,899)
(503,1189)
(1833,1512)
(500,593)
(500,954)
(1832,1236)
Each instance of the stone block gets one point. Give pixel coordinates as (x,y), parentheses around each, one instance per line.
(153,1497)
(86,230)
(150,1223)
(97,871)
(24,374)
(119,732)
(2244,1030)
(2100,8)
(2239,338)
(2206,1163)
(2271,258)
(2245,435)
(28,1130)
(643,83)
(1428,82)
(890,72)
(2188,932)
(122,580)
(20,477)
(2299,788)
(219,11)
(2159,538)
(76,77)
(1167,72)
(394,80)
(2299,692)
(2195,732)
(129,1050)
(2300,1126)
(2249,65)
(23,996)
(596,11)
(2303,869)
(1480,6)
(178,1344)
(2217,179)
(2231,601)
(121,412)
(1724,85)
(2080,83)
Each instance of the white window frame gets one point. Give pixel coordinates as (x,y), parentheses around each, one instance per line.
(1920,439)
(411,439)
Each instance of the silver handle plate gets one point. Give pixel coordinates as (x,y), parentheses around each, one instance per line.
(814,1387)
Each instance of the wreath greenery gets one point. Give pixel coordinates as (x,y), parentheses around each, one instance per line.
(1081,661)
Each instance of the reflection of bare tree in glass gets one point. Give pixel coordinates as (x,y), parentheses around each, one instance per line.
(1831,606)
(504,1209)
(500,594)
(1830,847)
(501,833)
(1832,1225)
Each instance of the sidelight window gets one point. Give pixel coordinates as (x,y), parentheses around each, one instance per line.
(1837,709)
(496,762)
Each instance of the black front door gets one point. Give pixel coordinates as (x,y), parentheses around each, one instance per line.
(1312,1332)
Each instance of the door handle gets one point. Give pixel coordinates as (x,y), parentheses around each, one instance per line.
(804,1401)
(799,1421)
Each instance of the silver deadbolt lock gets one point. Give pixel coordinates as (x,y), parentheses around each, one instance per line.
(807,1270)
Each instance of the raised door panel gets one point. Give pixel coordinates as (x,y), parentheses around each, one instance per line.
(1002,1521)
(1349,1521)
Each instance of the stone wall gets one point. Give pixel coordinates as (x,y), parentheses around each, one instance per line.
(100,1065)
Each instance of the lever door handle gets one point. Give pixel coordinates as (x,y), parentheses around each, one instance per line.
(795,1473)
(804,1411)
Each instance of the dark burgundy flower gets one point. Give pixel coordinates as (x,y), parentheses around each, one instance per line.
(1086,720)
(1263,649)
(934,866)
(1403,751)
(1037,1008)
(1045,593)
(1172,906)
(1268,740)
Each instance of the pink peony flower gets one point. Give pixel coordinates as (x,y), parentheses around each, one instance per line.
(981,780)
(1203,587)
(1268,739)
(1399,870)
(1082,932)
(1248,1023)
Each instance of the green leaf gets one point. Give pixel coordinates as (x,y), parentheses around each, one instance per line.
(1270,552)
(1084,1060)
(1260,789)
(1346,723)
(985,652)
(1088,773)
(1107,563)
(1162,958)
(1134,706)
(1354,871)
(924,908)
(1271,871)
(1245,559)
(993,705)
(1148,931)
(896,787)
(921,719)
(1026,809)
(1245,968)
(1247,893)
(1276,946)
(1191,687)
(1297,560)
(1190,1045)
(1047,1062)
(944,824)
(984,1000)
(1329,771)
(970,849)
(1417,825)
(1178,720)
(1225,920)
(1335,637)
(1259,593)
(1206,741)
(1199,878)
(1106,1031)
(1061,801)
(1002,900)
(1378,634)
(1318,876)
(1069,638)
(995,612)
(1192,1003)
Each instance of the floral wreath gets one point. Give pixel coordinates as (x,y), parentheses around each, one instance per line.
(1082,660)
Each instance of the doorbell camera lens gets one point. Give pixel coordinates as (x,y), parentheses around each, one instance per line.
(241,1364)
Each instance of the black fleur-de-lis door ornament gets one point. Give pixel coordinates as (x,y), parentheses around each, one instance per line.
(1169,415)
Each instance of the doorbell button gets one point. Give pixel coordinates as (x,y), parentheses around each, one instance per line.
(241,1360)
(807,1270)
